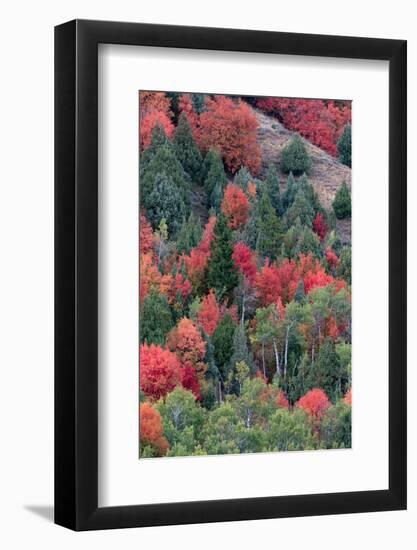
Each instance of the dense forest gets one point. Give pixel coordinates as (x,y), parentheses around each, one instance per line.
(245,276)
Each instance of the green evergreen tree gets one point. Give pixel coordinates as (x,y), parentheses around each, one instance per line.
(186,149)
(310,195)
(208,161)
(290,192)
(199,102)
(294,157)
(344,146)
(272,185)
(342,203)
(242,178)
(216,176)
(189,234)
(164,161)
(344,268)
(221,272)
(158,138)
(299,210)
(156,319)
(165,202)
(174,97)
(336,426)
(300,293)
(222,340)
(269,237)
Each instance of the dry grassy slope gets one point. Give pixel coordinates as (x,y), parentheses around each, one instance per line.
(326,175)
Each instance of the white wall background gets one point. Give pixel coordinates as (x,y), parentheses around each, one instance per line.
(26,286)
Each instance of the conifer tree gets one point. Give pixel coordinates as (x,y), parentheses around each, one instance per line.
(223,344)
(241,351)
(342,203)
(165,202)
(189,235)
(326,372)
(290,192)
(216,176)
(158,138)
(156,319)
(294,157)
(164,161)
(344,146)
(272,185)
(269,237)
(186,149)
(300,209)
(242,178)
(221,272)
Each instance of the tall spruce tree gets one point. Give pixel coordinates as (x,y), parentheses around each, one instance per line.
(223,345)
(158,138)
(269,230)
(156,319)
(344,146)
(242,178)
(272,185)
(216,177)
(342,205)
(300,209)
(164,161)
(186,149)
(221,272)
(290,192)
(189,235)
(165,202)
(240,348)
(326,372)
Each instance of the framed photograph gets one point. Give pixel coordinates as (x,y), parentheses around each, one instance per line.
(230,255)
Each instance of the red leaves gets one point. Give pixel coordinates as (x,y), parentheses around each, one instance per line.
(331,258)
(151,430)
(230,126)
(188,344)
(277,282)
(282,400)
(209,314)
(196,262)
(160,371)
(235,206)
(317,120)
(245,261)
(315,403)
(145,235)
(319,226)
(317,278)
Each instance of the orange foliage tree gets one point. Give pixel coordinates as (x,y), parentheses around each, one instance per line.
(209,313)
(315,403)
(151,430)
(235,206)
(186,341)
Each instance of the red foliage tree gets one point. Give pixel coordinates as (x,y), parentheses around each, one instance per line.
(151,430)
(315,403)
(149,276)
(245,261)
(209,313)
(318,278)
(187,342)
(235,206)
(348,397)
(160,371)
(275,283)
(196,262)
(154,101)
(149,121)
(176,286)
(282,400)
(317,120)
(231,127)
(190,381)
(185,105)
(319,226)
(331,258)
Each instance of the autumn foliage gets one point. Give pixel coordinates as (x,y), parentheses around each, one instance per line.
(151,430)
(315,403)
(186,341)
(230,126)
(160,371)
(235,206)
(245,261)
(209,313)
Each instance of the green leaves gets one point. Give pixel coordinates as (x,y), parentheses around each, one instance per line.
(294,157)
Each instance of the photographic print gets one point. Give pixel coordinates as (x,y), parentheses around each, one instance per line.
(245,274)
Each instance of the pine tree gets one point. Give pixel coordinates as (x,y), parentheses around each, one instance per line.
(300,209)
(186,149)
(300,292)
(294,157)
(344,269)
(216,176)
(164,161)
(242,178)
(344,146)
(199,102)
(189,234)
(222,340)
(165,202)
(221,273)
(268,242)
(158,139)
(342,203)
(272,185)
(326,373)
(290,192)
(156,319)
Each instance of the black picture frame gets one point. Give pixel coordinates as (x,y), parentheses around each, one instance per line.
(76,272)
